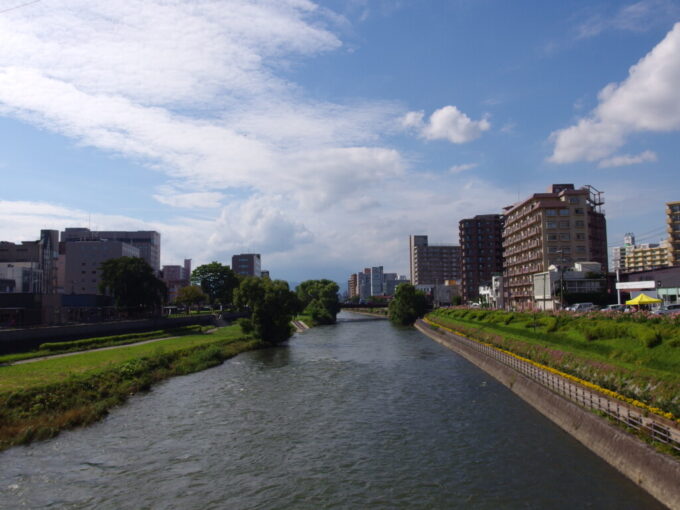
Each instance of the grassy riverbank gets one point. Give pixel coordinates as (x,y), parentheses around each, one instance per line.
(637,356)
(39,399)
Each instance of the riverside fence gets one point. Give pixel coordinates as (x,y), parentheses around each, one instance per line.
(656,427)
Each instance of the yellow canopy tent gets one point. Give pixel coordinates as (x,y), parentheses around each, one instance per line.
(643,299)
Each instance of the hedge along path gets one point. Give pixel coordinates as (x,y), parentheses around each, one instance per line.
(57,368)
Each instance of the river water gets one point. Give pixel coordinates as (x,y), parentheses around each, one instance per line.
(356,415)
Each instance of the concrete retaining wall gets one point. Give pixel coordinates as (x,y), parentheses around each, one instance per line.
(655,472)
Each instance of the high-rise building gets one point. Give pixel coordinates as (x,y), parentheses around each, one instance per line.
(352,290)
(673,221)
(432,264)
(481,245)
(364,284)
(247,264)
(377,281)
(560,227)
(176,277)
(619,252)
(148,242)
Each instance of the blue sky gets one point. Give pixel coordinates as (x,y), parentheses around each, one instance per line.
(322,134)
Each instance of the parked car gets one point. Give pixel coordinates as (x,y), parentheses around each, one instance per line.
(615,308)
(582,307)
(667,310)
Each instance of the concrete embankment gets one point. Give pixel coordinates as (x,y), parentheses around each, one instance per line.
(657,473)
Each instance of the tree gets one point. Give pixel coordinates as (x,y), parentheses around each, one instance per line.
(319,299)
(191,295)
(217,281)
(132,283)
(408,305)
(272,306)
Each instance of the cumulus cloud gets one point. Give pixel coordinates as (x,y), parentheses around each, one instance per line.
(648,100)
(447,123)
(627,159)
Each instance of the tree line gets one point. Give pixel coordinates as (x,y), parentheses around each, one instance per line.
(270,304)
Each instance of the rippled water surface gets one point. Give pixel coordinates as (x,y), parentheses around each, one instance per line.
(357,415)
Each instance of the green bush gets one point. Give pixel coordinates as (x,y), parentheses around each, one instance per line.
(649,337)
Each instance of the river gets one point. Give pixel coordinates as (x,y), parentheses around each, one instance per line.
(356,415)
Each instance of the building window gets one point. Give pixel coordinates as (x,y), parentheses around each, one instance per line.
(551,224)
(580,249)
(580,224)
(580,236)
(564,224)
(551,212)
(573,200)
(578,210)
(565,237)
(564,212)
(552,237)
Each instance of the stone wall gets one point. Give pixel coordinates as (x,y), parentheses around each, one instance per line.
(655,472)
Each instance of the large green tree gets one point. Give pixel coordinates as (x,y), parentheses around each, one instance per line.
(272,306)
(319,299)
(408,305)
(217,281)
(191,295)
(132,283)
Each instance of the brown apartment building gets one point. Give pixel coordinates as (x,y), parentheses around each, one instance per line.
(481,252)
(433,264)
(673,220)
(560,227)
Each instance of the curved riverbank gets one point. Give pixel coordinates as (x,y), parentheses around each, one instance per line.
(40,400)
(657,473)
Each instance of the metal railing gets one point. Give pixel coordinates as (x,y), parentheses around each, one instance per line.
(656,427)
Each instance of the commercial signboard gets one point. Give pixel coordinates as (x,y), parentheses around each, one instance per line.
(647,284)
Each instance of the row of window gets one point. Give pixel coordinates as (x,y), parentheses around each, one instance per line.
(564,224)
(566,236)
(565,249)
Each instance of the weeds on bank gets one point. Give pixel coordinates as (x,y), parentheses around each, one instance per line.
(39,411)
(636,356)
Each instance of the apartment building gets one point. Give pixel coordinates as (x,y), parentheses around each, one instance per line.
(247,264)
(646,257)
(619,252)
(481,246)
(352,290)
(560,227)
(431,263)
(148,242)
(673,221)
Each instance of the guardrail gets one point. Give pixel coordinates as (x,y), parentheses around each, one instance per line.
(656,427)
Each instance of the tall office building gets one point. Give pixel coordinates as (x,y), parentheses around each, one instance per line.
(148,242)
(481,246)
(560,227)
(432,263)
(377,281)
(82,272)
(673,221)
(176,277)
(364,284)
(247,264)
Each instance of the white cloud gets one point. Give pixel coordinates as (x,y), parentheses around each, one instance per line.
(648,100)
(447,123)
(635,17)
(627,159)
(456,169)
(194,90)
